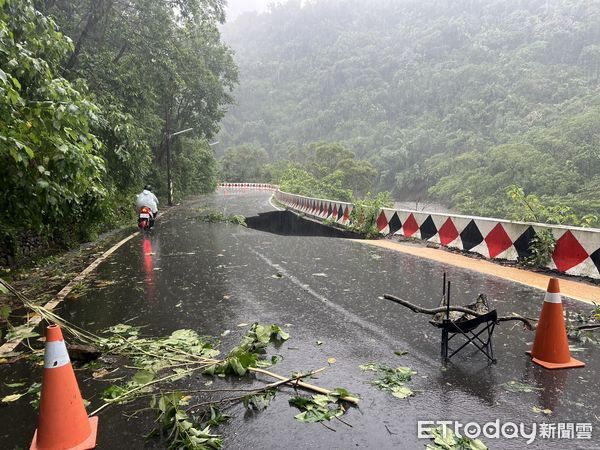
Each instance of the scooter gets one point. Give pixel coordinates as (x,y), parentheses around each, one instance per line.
(145,219)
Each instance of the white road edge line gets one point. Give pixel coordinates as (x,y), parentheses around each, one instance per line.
(273,205)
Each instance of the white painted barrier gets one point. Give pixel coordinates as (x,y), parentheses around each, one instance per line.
(577,250)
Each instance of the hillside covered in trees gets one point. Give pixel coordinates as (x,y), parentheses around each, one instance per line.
(453,100)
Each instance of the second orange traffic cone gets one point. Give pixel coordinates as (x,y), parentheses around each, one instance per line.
(63,422)
(551,347)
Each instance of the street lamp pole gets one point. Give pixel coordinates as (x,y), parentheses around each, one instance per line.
(168,143)
(169,180)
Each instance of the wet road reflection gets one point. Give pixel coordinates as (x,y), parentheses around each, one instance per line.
(325,292)
(148,255)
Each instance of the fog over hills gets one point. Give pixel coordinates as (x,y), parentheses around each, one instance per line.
(452,100)
(237,7)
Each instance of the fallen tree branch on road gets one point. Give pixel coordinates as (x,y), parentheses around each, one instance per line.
(159,362)
(588,327)
(295,381)
(302,384)
(527,321)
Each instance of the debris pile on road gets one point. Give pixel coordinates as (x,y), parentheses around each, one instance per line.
(155,364)
(210,216)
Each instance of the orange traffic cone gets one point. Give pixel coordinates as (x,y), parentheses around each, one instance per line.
(551,348)
(63,422)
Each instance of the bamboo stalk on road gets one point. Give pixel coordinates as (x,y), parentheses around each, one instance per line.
(302,384)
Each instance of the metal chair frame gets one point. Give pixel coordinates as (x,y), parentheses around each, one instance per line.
(468,329)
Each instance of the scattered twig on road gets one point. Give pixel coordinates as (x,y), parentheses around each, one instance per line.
(388,430)
(343,421)
(588,327)
(301,384)
(283,380)
(329,428)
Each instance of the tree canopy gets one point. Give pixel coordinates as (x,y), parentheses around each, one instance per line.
(50,161)
(154,67)
(89,91)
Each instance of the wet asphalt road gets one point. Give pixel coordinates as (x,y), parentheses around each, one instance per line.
(213,277)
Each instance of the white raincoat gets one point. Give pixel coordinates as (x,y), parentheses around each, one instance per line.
(147,198)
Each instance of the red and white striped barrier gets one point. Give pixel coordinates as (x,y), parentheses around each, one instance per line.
(338,212)
(239,185)
(577,250)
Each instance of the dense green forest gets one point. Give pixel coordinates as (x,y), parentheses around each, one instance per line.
(448,99)
(89,90)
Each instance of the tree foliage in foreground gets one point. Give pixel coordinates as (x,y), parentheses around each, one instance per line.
(89,90)
(50,163)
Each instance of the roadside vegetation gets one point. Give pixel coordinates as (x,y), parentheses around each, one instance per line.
(530,208)
(319,170)
(42,279)
(88,92)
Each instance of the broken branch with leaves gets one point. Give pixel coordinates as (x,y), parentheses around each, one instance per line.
(527,321)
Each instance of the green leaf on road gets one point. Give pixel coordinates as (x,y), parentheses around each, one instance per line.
(391,380)
(401,392)
(516,386)
(318,408)
(12,398)
(143,377)
(545,411)
(20,332)
(5,311)
(445,439)
(259,402)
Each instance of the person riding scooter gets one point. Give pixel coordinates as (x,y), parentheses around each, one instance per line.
(148,199)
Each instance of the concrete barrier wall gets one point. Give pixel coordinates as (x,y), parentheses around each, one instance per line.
(338,212)
(230,185)
(577,250)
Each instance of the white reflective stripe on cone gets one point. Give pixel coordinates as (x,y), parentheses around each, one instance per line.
(553,297)
(56,355)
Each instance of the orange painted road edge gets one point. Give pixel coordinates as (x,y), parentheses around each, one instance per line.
(576,290)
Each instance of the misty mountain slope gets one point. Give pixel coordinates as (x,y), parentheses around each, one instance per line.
(460,98)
